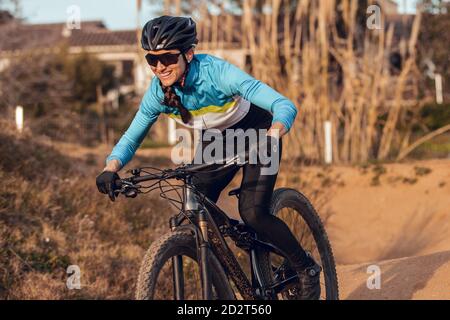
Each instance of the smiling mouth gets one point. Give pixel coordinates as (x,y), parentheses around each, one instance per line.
(165,74)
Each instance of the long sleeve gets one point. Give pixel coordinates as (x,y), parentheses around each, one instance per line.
(130,141)
(234,81)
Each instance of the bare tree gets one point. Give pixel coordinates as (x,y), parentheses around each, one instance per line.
(34,80)
(322,56)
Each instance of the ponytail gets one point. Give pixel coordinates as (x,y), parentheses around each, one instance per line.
(171,99)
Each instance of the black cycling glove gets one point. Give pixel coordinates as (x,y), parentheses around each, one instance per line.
(106,183)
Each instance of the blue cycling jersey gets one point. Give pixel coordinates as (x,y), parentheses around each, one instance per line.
(216,93)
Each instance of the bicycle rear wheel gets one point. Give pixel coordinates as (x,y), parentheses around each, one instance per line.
(297,212)
(155,281)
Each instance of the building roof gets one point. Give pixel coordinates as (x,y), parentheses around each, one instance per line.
(5,16)
(18,36)
(102,38)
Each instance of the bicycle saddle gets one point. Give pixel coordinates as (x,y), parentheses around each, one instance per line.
(235,192)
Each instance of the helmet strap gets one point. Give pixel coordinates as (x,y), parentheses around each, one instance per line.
(183,76)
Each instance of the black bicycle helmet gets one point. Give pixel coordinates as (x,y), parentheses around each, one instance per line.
(166,33)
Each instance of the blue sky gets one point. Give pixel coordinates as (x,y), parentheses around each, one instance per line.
(117,14)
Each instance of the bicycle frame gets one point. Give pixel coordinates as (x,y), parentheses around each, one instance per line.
(211,224)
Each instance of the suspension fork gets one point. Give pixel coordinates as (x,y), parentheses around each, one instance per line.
(191,203)
(203,250)
(204,256)
(177,268)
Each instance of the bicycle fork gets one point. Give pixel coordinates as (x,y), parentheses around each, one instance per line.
(191,204)
(203,259)
(204,256)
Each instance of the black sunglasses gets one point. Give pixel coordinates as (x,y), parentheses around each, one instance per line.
(166,58)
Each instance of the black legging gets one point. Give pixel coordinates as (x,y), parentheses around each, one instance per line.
(255,193)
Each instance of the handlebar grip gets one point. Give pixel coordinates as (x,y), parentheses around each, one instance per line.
(118,183)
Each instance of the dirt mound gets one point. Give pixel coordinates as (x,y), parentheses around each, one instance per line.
(395,216)
(389,211)
(423,277)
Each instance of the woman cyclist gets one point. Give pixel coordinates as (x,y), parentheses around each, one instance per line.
(203,90)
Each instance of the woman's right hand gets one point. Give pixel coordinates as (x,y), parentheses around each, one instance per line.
(106,183)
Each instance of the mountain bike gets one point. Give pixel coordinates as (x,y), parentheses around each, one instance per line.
(195,259)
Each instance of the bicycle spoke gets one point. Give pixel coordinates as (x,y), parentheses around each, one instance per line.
(301,230)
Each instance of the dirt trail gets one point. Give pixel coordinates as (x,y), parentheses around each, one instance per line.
(394,216)
(399,222)
(423,277)
(406,214)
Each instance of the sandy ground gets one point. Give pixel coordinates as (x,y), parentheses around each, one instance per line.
(398,218)
(419,277)
(399,223)
(402,225)
(395,217)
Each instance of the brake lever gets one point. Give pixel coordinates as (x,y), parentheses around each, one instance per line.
(127,188)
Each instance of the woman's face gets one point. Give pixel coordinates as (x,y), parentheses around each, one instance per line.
(170,74)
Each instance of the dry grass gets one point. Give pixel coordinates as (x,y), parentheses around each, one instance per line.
(52,216)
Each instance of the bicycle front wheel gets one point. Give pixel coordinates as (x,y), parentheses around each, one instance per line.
(297,212)
(156,275)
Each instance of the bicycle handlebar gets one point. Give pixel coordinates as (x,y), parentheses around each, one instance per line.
(130,183)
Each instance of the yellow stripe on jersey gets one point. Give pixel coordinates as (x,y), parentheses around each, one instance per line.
(208,109)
